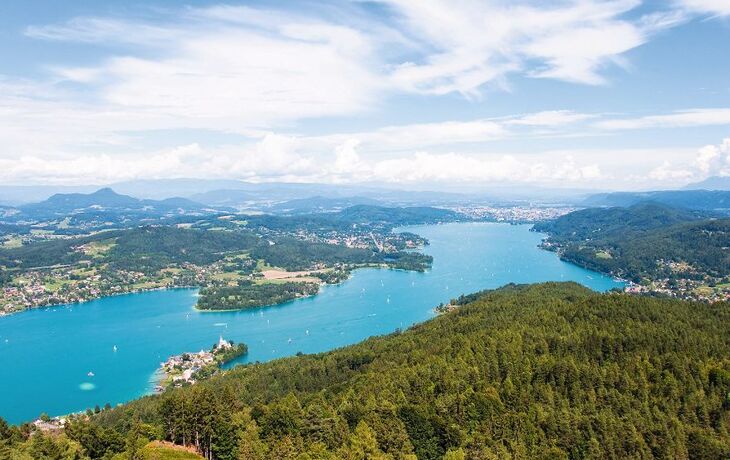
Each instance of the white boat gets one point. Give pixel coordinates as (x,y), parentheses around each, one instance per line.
(90,374)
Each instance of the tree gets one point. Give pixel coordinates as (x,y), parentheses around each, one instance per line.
(363,445)
(455,454)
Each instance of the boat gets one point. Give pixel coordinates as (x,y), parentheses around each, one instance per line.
(90,374)
(114,348)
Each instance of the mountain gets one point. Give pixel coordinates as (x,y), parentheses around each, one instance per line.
(106,200)
(226,197)
(158,189)
(646,241)
(711,183)
(264,196)
(542,371)
(600,223)
(318,204)
(103,198)
(705,200)
(16,195)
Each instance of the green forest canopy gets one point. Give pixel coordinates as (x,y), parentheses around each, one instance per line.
(543,371)
(629,241)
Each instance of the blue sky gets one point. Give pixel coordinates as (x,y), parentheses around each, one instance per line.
(618,94)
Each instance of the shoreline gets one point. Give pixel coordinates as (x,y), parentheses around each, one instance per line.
(82,302)
(147,387)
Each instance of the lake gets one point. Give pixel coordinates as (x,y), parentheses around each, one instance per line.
(47,354)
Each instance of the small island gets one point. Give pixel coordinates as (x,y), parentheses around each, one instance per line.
(189,368)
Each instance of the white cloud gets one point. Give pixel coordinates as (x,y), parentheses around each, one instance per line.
(106,30)
(207,72)
(454,167)
(449,133)
(550,118)
(714,7)
(473,42)
(678,119)
(667,172)
(261,72)
(714,159)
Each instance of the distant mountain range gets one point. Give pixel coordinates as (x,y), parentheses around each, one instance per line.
(317,204)
(711,183)
(703,200)
(278,196)
(258,196)
(105,199)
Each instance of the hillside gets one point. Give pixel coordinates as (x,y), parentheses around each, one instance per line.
(602,223)
(357,218)
(542,371)
(666,251)
(65,270)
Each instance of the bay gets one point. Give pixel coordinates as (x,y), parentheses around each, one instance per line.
(68,358)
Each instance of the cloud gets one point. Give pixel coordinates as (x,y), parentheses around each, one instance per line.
(266,75)
(471,43)
(550,118)
(713,7)
(200,67)
(454,167)
(449,133)
(106,30)
(714,159)
(710,160)
(666,172)
(678,119)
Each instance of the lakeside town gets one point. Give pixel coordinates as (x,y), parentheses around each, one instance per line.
(513,214)
(191,367)
(92,277)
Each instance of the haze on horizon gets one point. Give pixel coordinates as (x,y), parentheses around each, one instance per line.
(584,94)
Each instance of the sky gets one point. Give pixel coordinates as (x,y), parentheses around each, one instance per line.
(588,94)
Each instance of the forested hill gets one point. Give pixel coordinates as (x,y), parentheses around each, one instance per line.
(139,248)
(362,217)
(63,204)
(542,371)
(602,223)
(646,241)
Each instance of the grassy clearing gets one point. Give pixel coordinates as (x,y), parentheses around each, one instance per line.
(97,249)
(228,276)
(167,451)
(12,243)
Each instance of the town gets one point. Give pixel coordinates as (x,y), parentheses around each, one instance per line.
(188,368)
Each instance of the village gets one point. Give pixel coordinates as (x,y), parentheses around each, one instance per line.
(188,368)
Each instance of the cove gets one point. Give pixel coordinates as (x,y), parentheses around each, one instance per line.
(46,355)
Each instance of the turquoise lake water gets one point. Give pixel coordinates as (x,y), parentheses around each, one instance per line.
(46,354)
